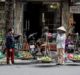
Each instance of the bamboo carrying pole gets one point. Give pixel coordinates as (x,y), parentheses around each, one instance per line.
(47,45)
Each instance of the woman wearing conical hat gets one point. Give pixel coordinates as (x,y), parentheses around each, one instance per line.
(60,41)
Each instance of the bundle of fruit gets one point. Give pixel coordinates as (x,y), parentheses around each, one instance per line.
(70,56)
(26,55)
(74,57)
(46,59)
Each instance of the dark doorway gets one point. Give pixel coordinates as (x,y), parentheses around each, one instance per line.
(32,14)
(77,23)
(49,17)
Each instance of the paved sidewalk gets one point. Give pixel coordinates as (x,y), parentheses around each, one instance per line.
(19,61)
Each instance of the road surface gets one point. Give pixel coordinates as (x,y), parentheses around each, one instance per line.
(40,69)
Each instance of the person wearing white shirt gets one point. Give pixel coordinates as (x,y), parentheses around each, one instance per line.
(60,42)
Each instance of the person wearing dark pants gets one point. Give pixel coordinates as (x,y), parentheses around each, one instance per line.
(10,45)
(10,55)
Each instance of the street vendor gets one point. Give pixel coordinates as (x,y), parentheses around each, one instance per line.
(10,44)
(60,41)
(46,35)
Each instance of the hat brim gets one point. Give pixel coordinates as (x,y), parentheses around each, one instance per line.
(61,28)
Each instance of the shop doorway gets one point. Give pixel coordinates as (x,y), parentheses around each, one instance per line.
(40,14)
(32,14)
(77,23)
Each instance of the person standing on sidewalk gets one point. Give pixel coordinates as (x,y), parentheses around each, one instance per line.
(60,41)
(10,44)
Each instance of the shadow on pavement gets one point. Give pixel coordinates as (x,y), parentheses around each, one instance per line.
(45,66)
(27,63)
(74,64)
(6,64)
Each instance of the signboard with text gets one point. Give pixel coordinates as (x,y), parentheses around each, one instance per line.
(74,9)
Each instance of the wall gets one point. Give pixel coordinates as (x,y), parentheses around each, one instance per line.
(65,14)
(18,17)
(2,21)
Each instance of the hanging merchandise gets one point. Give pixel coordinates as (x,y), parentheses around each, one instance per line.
(46,35)
(45,59)
(26,55)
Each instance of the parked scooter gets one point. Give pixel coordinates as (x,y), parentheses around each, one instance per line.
(32,44)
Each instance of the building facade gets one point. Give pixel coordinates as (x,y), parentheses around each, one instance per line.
(2,21)
(26,15)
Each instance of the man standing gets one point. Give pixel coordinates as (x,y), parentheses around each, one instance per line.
(10,44)
(46,35)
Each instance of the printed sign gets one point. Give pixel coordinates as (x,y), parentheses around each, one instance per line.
(74,9)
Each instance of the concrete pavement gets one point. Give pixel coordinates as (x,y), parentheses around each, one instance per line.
(31,67)
(39,69)
(21,62)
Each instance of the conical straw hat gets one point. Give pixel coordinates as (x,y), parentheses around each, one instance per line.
(62,28)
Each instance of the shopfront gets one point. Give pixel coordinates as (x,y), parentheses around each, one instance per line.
(27,15)
(30,16)
(37,14)
(75,11)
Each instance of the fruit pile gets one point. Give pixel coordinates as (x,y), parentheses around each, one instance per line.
(46,59)
(74,56)
(26,55)
(70,56)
